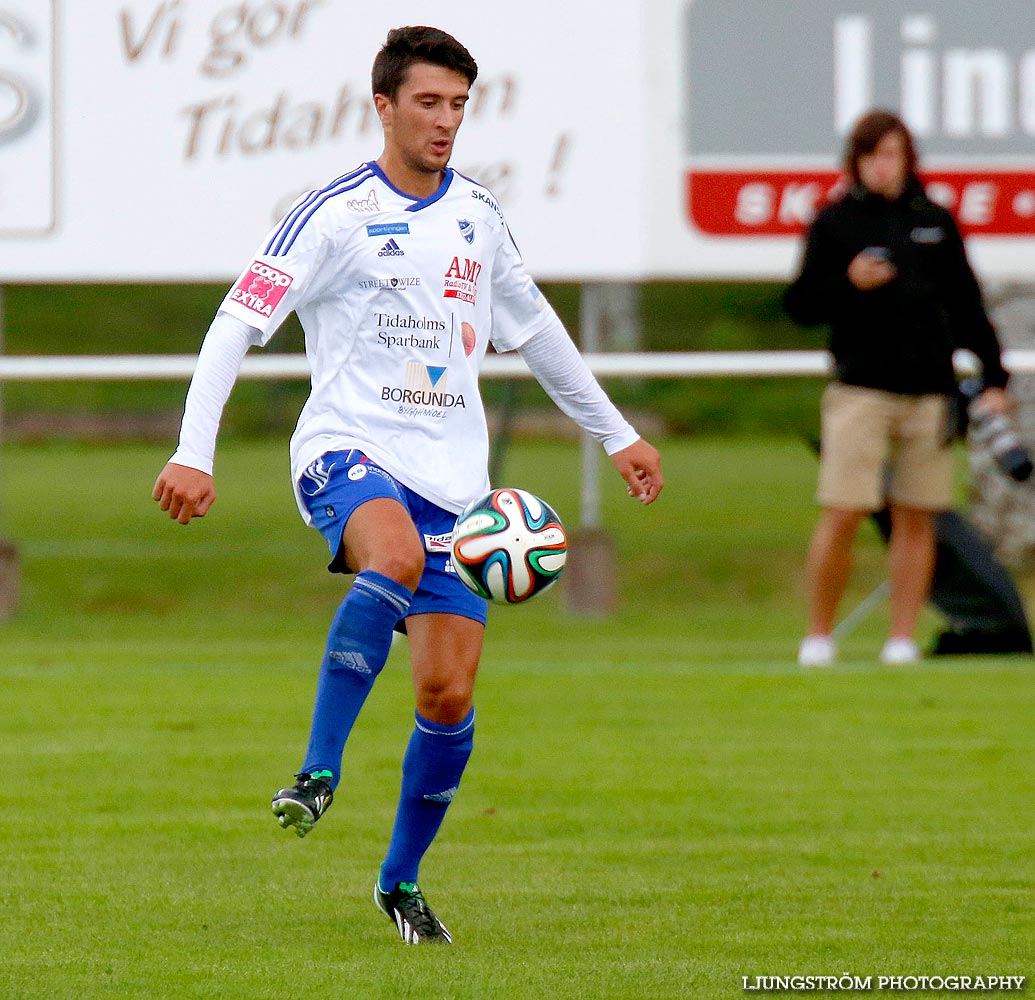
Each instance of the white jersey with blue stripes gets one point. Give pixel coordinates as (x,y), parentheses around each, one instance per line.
(399,299)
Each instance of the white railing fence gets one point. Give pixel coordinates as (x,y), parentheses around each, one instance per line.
(658,364)
(147,367)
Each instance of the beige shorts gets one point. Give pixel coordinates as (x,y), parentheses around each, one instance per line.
(879,446)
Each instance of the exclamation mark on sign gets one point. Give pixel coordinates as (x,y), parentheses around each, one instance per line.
(560,154)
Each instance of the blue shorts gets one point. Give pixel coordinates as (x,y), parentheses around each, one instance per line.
(339,481)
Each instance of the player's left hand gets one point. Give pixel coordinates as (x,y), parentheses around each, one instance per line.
(184,492)
(640,466)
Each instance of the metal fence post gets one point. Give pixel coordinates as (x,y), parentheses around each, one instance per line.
(590,586)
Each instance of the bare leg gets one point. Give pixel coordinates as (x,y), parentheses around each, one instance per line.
(444,651)
(910,565)
(380,536)
(829,564)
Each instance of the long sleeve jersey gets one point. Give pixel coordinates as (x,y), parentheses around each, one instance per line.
(399,299)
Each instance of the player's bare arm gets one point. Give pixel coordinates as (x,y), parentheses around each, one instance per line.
(640,466)
(184,492)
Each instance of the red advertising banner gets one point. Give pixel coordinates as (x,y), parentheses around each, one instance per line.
(783,202)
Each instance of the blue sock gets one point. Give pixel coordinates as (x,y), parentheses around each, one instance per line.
(358,644)
(434,763)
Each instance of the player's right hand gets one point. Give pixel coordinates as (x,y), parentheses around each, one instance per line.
(640,466)
(184,492)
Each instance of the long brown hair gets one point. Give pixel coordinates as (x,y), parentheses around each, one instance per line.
(868,131)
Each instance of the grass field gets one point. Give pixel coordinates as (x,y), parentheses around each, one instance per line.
(660,803)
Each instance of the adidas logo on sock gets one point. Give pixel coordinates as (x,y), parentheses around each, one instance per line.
(446,796)
(391,249)
(352,660)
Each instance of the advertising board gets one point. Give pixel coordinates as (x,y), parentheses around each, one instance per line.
(671,139)
(27,148)
(161,139)
(768,92)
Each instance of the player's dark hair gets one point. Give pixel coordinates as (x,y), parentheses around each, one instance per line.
(868,131)
(413,44)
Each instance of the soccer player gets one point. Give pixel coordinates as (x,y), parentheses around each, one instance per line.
(401,272)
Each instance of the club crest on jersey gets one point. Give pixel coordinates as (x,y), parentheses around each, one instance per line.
(466,229)
(261,288)
(461,280)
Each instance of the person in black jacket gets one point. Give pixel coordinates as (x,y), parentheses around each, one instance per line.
(886,269)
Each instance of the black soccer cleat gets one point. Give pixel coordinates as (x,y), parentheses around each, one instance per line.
(416,922)
(303,803)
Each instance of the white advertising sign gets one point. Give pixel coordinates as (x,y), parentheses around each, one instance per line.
(27,74)
(161,139)
(174,133)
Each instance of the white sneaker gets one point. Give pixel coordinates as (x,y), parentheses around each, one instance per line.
(900,650)
(816,651)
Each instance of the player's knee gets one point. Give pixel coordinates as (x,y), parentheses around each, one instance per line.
(447,704)
(402,563)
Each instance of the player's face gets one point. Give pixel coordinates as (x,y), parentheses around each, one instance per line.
(884,170)
(421,123)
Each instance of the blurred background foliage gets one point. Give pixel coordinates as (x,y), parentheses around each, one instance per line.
(172,319)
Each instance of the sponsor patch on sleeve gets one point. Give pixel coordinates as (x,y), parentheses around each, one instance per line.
(261,288)
(537,296)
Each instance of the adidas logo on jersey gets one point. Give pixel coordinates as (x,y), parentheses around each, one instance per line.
(391,249)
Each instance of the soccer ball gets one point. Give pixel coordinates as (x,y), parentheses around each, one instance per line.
(508,546)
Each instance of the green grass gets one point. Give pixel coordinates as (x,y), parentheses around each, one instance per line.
(659,804)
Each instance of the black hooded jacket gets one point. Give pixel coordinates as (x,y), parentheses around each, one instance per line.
(899,337)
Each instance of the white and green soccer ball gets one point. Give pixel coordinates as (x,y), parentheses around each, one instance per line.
(509,546)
